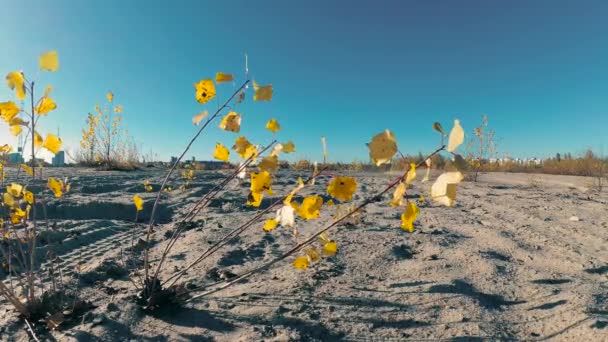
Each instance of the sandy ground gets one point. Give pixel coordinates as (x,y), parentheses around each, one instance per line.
(508,262)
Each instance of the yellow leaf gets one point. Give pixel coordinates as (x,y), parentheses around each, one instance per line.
(269,163)
(8,110)
(8,200)
(254,199)
(301,263)
(273,126)
(14,189)
(382,148)
(15,130)
(17,215)
(38,140)
(110,96)
(231,122)
(437,126)
(221,77)
(456,137)
(311,207)
(330,203)
(262,93)
(421,199)
(139,203)
(411,174)
(289,147)
(330,248)
(118,109)
(444,188)
(27,169)
(428,170)
(56,186)
(276,149)
(342,188)
(398,195)
(52,143)
(221,152)
(260,182)
(205,91)
(285,216)
(46,105)
(199,117)
(409,216)
(17,121)
(16,81)
(28,196)
(6,148)
(244,148)
(270,224)
(49,61)
(312,254)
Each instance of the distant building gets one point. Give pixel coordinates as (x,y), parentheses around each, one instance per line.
(59,159)
(15,158)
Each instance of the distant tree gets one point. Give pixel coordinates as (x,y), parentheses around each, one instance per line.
(481,147)
(558,157)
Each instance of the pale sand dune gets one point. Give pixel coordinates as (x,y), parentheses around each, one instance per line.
(506,263)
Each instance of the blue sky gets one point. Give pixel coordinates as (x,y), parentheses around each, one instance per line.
(341,69)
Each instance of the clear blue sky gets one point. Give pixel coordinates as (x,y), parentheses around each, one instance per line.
(342,69)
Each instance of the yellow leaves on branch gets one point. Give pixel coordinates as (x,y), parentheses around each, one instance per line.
(14,189)
(38,140)
(110,96)
(409,216)
(398,195)
(139,203)
(16,81)
(221,152)
(49,61)
(382,148)
(46,104)
(199,117)
(262,93)
(52,143)
(205,91)
(221,77)
(6,148)
(231,122)
(411,174)
(27,169)
(443,190)
(342,188)
(456,137)
(273,126)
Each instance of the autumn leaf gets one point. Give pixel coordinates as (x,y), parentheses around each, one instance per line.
(28,196)
(437,126)
(262,93)
(289,147)
(261,182)
(8,111)
(409,216)
(428,170)
(269,163)
(330,248)
(16,81)
(342,188)
(254,199)
(221,77)
(301,263)
(456,137)
(199,117)
(118,109)
(15,130)
(49,61)
(411,174)
(221,152)
(46,105)
(285,216)
(231,122)
(38,140)
(270,224)
(139,203)
(56,187)
(205,91)
(27,169)
(312,254)
(311,207)
(244,148)
(273,126)
(398,195)
(444,189)
(14,189)
(52,143)
(382,148)
(110,96)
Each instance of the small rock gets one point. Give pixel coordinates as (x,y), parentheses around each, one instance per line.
(574,218)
